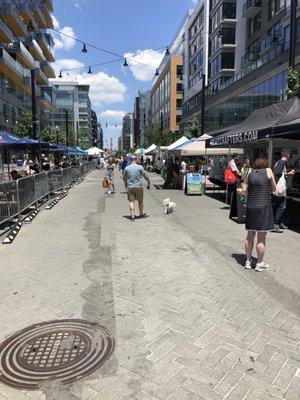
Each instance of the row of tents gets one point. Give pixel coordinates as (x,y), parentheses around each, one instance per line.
(10,141)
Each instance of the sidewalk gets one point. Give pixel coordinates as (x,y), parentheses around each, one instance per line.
(189,322)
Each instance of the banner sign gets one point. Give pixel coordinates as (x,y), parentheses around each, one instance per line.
(194,183)
(231,140)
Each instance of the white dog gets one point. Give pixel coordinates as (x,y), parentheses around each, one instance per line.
(169,206)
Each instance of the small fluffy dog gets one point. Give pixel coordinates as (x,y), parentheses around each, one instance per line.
(169,206)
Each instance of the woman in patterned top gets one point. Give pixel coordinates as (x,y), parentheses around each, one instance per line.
(110,175)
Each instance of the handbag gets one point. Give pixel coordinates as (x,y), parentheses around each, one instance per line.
(229,176)
(105,183)
(281,187)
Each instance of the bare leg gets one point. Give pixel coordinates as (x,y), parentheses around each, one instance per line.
(132,208)
(261,246)
(141,207)
(249,244)
(113,185)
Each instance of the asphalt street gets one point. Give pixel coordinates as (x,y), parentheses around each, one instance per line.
(188,320)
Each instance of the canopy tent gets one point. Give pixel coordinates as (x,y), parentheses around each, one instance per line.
(178,142)
(196,147)
(94,151)
(8,139)
(150,149)
(139,152)
(279,119)
(77,151)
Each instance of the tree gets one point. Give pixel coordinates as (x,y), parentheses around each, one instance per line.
(83,138)
(293,83)
(24,125)
(194,129)
(155,135)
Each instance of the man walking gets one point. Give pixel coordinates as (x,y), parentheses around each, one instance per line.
(132,176)
(279,203)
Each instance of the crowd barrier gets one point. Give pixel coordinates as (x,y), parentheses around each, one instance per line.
(17,196)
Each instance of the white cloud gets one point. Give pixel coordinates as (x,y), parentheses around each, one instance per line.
(61,41)
(112,115)
(104,89)
(143,63)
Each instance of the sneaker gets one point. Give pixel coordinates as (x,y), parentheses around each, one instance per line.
(282,226)
(144,215)
(260,267)
(109,192)
(131,219)
(277,230)
(248,265)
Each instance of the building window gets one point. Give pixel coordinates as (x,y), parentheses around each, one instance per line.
(275,6)
(254,25)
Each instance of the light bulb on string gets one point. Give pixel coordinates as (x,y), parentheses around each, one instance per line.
(90,70)
(60,74)
(84,49)
(167,53)
(125,64)
(157,72)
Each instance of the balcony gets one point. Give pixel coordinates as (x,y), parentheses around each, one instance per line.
(21,53)
(11,68)
(45,46)
(270,43)
(251,8)
(248,59)
(13,19)
(6,35)
(48,70)
(26,14)
(45,101)
(40,77)
(49,4)
(38,15)
(34,49)
(47,16)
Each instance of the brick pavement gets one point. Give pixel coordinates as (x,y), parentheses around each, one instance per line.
(188,325)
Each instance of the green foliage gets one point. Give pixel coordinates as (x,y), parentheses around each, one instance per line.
(24,125)
(83,138)
(293,83)
(194,129)
(155,135)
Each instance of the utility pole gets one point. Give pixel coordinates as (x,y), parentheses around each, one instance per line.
(293,33)
(77,133)
(67,127)
(203,76)
(33,104)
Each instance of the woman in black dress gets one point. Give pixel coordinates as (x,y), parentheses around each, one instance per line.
(259,212)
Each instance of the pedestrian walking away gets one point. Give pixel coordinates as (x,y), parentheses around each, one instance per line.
(133,175)
(259,213)
(279,200)
(110,175)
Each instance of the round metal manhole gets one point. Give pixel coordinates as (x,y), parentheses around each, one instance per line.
(63,350)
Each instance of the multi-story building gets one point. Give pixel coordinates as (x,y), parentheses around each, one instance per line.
(25,46)
(167,90)
(73,108)
(95,128)
(128,132)
(141,117)
(250,73)
(166,96)
(120,144)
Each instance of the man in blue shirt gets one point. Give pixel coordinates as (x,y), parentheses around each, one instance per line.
(132,176)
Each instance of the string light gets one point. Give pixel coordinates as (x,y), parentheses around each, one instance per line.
(125,63)
(84,49)
(90,70)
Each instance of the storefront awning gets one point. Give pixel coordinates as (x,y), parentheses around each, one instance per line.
(266,122)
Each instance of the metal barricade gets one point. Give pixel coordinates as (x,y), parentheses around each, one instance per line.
(26,193)
(8,201)
(67,177)
(41,186)
(76,173)
(55,180)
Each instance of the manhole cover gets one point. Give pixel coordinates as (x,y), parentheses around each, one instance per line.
(64,350)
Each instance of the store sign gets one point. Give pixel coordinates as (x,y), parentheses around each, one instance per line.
(194,183)
(230,140)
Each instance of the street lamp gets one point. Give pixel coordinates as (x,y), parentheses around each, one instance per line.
(203,76)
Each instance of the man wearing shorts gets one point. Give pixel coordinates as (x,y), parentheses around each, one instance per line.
(132,176)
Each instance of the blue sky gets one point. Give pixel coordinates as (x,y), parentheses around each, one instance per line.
(132,27)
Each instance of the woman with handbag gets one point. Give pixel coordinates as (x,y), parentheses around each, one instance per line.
(259,213)
(110,175)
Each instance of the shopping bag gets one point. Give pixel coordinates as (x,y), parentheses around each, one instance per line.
(281,187)
(229,176)
(105,183)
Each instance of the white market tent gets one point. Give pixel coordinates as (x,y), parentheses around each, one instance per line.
(150,149)
(94,151)
(178,142)
(196,147)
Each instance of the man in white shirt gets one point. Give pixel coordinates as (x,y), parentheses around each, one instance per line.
(232,164)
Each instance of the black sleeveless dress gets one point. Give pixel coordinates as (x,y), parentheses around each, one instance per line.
(259,212)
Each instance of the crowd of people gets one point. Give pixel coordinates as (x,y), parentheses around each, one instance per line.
(266,200)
